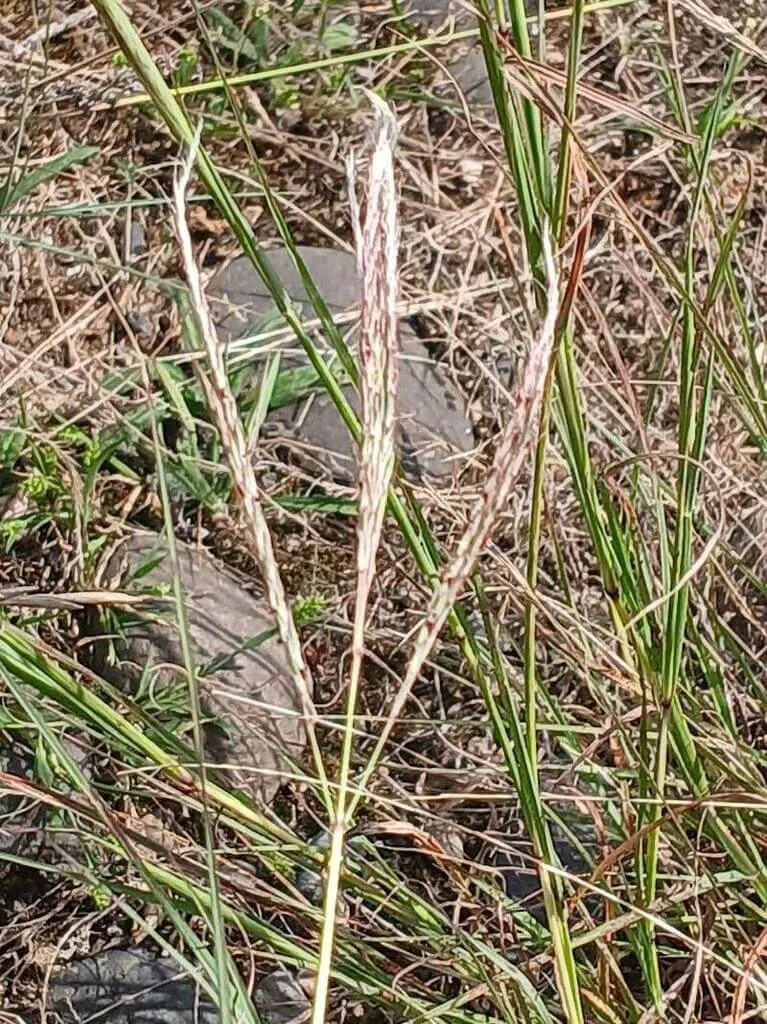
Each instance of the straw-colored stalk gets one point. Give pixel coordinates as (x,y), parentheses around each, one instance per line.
(510,459)
(377,245)
(224,414)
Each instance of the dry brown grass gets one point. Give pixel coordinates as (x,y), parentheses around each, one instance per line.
(68,320)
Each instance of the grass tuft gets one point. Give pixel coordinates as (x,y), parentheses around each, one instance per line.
(533,693)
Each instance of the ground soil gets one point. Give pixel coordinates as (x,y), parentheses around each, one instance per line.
(72,312)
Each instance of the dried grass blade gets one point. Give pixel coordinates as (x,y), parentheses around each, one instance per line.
(529,76)
(719,23)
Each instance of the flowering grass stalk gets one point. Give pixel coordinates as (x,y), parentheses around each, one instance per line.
(376,244)
(234,443)
(511,457)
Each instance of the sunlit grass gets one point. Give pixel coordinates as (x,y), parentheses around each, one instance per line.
(655,667)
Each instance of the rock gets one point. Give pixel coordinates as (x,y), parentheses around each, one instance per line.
(135,240)
(433,430)
(240,299)
(128,987)
(432,425)
(434,13)
(253,737)
(469,69)
(21,818)
(27,826)
(309,881)
(134,987)
(470,74)
(280,999)
(141,323)
(520,874)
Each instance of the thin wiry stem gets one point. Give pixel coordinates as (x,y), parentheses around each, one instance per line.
(376,244)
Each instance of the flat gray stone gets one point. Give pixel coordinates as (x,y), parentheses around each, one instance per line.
(128,987)
(252,736)
(309,882)
(241,300)
(434,13)
(280,999)
(470,74)
(520,873)
(433,427)
(468,69)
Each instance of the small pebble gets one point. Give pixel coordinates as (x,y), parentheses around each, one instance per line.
(308,880)
(280,999)
(136,240)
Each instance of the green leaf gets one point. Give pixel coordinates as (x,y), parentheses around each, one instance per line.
(317,503)
(258,34)
(231,37)
(228,661)
(172,382)
(13,192)
(262,396)
(339,36)
(296,383)
(12,441)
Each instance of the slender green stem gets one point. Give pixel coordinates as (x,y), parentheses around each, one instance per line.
(530,166)
(219,937)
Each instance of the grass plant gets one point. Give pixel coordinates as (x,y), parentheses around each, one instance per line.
(613,717)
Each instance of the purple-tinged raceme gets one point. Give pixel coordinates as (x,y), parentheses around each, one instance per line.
(511,456)
(376,242)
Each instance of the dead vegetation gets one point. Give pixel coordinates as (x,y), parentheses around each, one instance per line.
(86,258)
